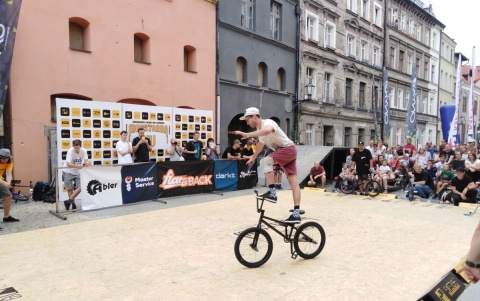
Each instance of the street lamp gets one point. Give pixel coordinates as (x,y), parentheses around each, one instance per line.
(309,92)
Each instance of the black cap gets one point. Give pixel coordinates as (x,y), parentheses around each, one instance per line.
(461,169)
(361,142)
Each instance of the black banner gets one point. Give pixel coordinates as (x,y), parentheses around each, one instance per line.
(247,175)
(184,177)
(9,11)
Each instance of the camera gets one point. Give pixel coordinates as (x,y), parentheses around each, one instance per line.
(175,142)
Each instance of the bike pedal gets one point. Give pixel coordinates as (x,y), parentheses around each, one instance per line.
(300,211)
(294,255)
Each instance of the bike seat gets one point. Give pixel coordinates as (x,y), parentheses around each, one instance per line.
(300,211)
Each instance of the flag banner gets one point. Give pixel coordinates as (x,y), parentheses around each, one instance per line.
(411,119)
(386,105)
(374,105)
(470,99)
(101,186)
(139,182)
(226,175)
(9,12)
(247,175)
(453,133)
(186,177)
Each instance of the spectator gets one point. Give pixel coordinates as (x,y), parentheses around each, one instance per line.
(383,174)
(472,167)
(194,147)
(142,147)
(422,157)
(410,148)
(363,163)
(76,159)
(175,151)
(405,161)
(431,169)
(436,154)
(471,268)
(317,175)
(422,180)
(233,152)
(446,176)
(381,147)
(370,146)
(394,163)
(247,151)
(6,167)
(389,154)
(457,162)
(376,151)
(344,175)
(400,151)
(464,152)
(471,146)
(439,165)
(212,151)
(442,145)
(430,148)
(349,157)
(463,188)
(448,153)
(124,149)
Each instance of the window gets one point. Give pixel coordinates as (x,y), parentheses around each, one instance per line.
(361,135)
(348,136)
(364,54)
(394,18)
(350,46)
(425,104)
(403,22)
(312,26)
(431,106)
(391,96)
(400,60)
(434,41)
(352,5)
(365,9)
(418,67)
(392,57)
(309,134)
(348,92)
(464,104)
(79,34)
(409,64)
(433,78)
(281,80)
(377,15)
(411,26)
(246,17)
(407,99)
(427,37)
(400,101)
(425,70)
(419,32)
(310,79)
(329,35)
(399,136)
(275,21)
(241,70)
(327,78)
(262,75)
(361,96)
(376,56)
(141,48)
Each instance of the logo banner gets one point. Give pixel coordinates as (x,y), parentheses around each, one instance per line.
(411,119)
(247,175)
(187,177)
(470,99)
(226,174)
(101,187)
(139,182)
(9,11)
(453,133)
(386,105)
(374,105)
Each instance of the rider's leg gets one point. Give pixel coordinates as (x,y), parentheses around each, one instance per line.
(7,204)
(293,181)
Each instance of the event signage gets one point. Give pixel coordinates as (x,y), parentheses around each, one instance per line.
(386,104)
(247,175)
(226,175)
(101,187)
(139,182)
(187,177)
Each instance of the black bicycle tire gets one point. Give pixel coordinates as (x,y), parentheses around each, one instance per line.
(350,184)
(373,188)
(307,236)
(241,255)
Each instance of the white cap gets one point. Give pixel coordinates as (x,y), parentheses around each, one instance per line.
(250,112)
(470,139)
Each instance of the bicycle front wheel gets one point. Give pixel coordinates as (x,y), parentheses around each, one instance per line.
(347,186)
(253,247)
(373,188)
(309,240)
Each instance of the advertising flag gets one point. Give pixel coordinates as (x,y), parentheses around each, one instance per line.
(411,119)
(470,98)
(9,11)
(374,105)
(453,133)
(386,105)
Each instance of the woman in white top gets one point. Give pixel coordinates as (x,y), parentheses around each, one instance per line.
(422,157)
(472,166)
(175,151)
(382,175)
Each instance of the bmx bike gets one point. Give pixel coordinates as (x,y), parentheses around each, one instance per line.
(254,246)
(373,188)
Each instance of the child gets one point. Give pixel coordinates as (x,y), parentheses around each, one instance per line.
(446,177)
(344,175)
(382,175)
(432,170)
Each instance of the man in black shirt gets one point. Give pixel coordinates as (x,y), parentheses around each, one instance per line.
(423,181)
(449,153)
(142,147)
(233,152)
(363,162)
(463,188)
(247,151)
(194,147)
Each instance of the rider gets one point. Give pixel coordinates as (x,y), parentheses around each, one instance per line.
(363,161)
(6,166)
(284,153)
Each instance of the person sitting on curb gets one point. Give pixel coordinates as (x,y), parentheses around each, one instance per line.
(463,188)
(6,166)
(317,175)
(446,177)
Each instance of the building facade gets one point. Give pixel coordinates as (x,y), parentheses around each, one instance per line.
(131,54)
(257,57)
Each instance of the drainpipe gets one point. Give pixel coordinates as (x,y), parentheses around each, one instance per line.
(217,79)
(296,111)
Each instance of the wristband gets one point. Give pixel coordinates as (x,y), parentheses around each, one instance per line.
(248,135)
(472,265)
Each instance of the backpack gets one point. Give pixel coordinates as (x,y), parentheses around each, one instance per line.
(445,196)
(39,190)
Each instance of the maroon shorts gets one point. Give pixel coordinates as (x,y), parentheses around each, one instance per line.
(286,157)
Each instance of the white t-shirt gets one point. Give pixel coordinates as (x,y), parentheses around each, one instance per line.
(384,170)
(275,139)
(77,159)
(123,146)
(176,153)
(469,164)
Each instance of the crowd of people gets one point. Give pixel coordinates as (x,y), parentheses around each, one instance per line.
(435,169)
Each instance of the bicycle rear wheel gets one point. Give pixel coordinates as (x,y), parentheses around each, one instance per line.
(373,188)
(309,240)
(347,186)
(253,247)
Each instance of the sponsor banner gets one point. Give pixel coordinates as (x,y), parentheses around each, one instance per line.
(226,175)
(247,175)
(101,187)
(139,182)
(386,105)
(9,11)
(453,132)
(411,119)
(187,177)
(374,101)
(186,122)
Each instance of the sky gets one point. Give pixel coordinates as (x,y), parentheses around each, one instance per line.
(460,23)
